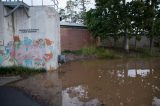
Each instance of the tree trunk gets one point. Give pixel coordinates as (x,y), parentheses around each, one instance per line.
(115,43)
(126,46)
(135,44)
(151,44)
(126,42)
(83,5)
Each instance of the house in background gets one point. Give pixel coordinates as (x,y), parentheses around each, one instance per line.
(75,36)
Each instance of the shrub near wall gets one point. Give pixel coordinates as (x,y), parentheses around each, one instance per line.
(15,70)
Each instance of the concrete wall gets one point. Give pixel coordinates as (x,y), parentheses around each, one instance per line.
(75,38)
(143,43)
(30,41)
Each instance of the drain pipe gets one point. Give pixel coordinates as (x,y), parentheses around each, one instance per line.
(13,28)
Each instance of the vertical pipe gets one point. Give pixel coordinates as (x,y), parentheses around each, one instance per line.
(13,28)
(42,2)
(31,2)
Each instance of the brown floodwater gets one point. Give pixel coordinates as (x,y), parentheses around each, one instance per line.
(130,82)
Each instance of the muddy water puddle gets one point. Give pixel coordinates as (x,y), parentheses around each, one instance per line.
(111,83)
(134,82)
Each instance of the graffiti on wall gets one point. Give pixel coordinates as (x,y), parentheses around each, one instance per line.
(1,42)
(1,56)
(6,54)
(28,52)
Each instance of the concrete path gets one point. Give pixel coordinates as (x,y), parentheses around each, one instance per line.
(13,97)
(5,80)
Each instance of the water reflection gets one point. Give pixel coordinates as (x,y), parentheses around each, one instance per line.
(78,96)
(135,72)
(156,101)
(113,83)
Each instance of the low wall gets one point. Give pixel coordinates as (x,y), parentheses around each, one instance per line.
(75,38)
(143,43)
(30,41)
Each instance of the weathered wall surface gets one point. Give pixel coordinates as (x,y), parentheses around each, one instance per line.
(30,41)
(75,38)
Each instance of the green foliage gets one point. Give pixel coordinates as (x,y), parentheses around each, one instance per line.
(105,53)
(118,18)
(76,52)
(18,70)
(74,11)
(99,52)
(89,50)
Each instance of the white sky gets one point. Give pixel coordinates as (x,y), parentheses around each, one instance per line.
(62,3)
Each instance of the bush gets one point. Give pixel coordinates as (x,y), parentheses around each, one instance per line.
(99,52)
(104,53)
(89,50)
(77,52)
(18,70)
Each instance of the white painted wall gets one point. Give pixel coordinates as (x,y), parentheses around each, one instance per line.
(39,49)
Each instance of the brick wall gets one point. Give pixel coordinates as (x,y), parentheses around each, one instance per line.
(75,38)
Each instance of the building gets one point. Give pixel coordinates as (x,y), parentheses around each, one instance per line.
(75,36)
(29,35)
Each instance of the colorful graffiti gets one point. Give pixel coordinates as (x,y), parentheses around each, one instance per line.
(27,52)
(1,42)
(6,54)
(48,56)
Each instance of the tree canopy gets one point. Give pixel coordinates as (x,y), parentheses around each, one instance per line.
(118,18)
(74,11)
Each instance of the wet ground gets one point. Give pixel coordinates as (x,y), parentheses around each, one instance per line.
(13,97)
(134,82)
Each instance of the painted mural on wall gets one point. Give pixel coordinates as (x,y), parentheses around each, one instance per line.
(27,52)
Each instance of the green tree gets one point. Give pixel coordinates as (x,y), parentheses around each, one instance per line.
(118,18)
(151,19)
(137,23)
(82,5)
(71,13)
(62,14)
(125,23)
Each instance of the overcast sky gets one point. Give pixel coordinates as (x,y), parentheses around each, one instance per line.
(62,3)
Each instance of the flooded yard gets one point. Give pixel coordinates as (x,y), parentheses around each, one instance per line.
(133,82)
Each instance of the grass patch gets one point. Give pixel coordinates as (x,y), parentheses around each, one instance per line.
(18,70)
(99,52)
(111,53)
(89,50)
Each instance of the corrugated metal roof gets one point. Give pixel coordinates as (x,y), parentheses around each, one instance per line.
(72,24)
